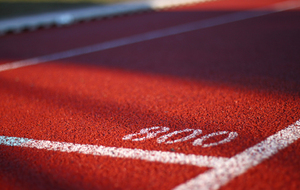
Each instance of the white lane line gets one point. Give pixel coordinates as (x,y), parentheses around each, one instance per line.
(147,155)
(224,19)
(240,163)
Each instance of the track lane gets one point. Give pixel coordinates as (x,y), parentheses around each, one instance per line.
(58,100)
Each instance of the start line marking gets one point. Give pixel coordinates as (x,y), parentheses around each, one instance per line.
(206,23)
(223,169)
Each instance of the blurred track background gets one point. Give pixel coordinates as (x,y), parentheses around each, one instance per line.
(14,8)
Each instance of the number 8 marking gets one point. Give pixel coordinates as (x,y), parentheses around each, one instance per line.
(193,135)
(146,131)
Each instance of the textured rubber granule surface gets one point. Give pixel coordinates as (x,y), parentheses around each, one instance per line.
(241,77)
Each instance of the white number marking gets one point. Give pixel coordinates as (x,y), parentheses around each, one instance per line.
(196,132)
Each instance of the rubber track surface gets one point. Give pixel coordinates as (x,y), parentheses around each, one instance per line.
(241,77)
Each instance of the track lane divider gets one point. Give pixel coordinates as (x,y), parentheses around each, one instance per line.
(147,155)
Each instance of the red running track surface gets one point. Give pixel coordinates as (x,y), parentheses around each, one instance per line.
(241,77)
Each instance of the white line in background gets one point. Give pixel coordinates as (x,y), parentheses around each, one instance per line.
(240,163)
(147,155)
(224,19)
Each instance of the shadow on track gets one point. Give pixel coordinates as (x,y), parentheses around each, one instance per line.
(260,53)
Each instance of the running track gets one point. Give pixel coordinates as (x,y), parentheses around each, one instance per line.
(204,96)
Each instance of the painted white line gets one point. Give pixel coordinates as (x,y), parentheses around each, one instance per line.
(240,163)
(147,155)
(224,19)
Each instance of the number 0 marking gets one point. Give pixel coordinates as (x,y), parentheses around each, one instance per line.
(193,135)
(231,136)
